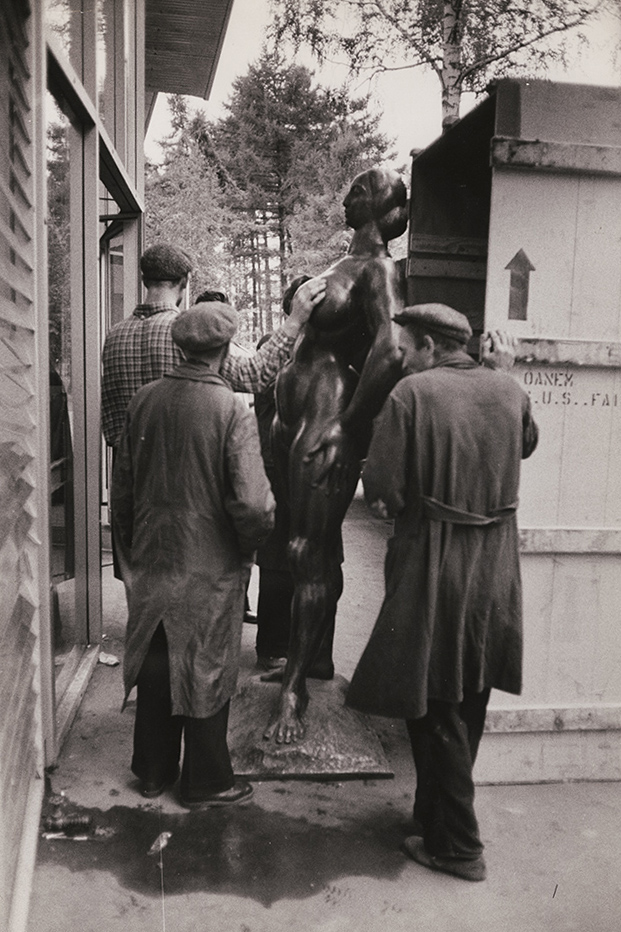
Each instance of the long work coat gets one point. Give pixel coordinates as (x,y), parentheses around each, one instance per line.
(445,458)
(191,503)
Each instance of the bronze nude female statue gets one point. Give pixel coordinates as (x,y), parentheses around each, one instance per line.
(343,367)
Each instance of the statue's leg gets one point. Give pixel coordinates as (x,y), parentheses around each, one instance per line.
(315,555)
(322,664)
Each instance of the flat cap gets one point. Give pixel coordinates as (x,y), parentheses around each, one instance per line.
(438,318)
(165,263)
(204,326)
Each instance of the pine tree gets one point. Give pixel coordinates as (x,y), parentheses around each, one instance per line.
(287,150)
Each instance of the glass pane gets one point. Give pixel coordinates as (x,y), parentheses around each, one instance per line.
(112,68)
(62,568)
(112,306)
(115,289)
(64,18)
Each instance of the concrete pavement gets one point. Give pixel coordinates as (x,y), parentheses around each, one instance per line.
(306,856)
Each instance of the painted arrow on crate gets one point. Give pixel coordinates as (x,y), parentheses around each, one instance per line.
(520,267)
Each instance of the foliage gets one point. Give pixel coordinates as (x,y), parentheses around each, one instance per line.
(466,43)
(286,141)
(186,205)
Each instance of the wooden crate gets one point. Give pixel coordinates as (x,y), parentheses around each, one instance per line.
(550,250)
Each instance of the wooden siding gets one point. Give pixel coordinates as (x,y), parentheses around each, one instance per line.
(20,752)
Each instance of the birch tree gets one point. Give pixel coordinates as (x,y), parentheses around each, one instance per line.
(466,43)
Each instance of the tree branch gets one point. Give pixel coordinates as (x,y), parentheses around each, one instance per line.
(482,63)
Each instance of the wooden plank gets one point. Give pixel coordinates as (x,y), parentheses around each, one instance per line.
(116,178)
(574,477)
(67,709)
(553,718)
(565,112)
(447,267)
(9,241)
(25,865)
(23,235)
(596,353)
(65,83)
(70,665)
(560,157)
(447,245)
(15,309)
(552,757)
(570,540)
(595,310)
(572,650)
(518,200)
(16,203)
(17,279)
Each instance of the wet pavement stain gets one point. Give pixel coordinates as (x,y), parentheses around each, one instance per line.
(244,851)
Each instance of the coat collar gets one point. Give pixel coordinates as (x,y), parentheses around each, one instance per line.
(196,372)
(457,360)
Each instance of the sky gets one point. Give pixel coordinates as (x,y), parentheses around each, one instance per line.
(408,101)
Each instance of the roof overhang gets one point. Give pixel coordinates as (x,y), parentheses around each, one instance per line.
(183,42)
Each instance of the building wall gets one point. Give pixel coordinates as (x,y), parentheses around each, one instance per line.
(23,592)
(71,73)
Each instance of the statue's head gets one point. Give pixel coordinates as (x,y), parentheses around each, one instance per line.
(378,194)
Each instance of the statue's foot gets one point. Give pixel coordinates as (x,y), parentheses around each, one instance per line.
(287,724)
(318,671)
(273,676)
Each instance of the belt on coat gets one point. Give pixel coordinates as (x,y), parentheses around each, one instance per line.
(439,511)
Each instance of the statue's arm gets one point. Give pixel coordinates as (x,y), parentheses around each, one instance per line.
(383,286)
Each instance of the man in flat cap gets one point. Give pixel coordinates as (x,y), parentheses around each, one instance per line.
(140,348)
(444,461)
(191,505)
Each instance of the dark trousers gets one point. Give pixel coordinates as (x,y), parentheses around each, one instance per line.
(157,733)
(445,744)
(274,612)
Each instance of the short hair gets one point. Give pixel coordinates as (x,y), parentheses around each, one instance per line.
(164,262)
(207,296)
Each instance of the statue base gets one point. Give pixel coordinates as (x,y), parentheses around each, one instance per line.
(338,744)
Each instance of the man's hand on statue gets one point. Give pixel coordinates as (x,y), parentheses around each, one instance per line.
(379,509)
(305,300)
(498,349)
(326,470)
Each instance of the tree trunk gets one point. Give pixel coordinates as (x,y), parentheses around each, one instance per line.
(282,245)
(269,321)
(451,61)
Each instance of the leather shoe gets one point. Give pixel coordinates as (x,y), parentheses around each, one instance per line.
(151,790)
(268,663)
(239,792)
(473,870)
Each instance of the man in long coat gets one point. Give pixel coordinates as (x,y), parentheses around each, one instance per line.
(192,503)
(445,463)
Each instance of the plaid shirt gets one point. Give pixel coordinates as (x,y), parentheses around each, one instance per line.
(140,349)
